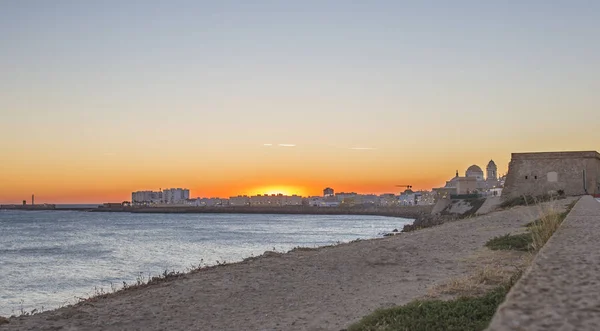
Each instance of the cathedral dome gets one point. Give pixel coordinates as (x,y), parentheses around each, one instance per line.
(475,171)
(474,168)
(491,164)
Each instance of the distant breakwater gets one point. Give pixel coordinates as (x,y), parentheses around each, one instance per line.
(412,212)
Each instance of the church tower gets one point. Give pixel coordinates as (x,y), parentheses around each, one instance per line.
(492,171)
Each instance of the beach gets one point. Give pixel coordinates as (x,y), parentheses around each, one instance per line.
(326,288)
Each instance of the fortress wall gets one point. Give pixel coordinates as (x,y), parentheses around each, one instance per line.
(540,173)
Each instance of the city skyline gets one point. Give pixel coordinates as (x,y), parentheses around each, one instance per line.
(265,190)
(226,98)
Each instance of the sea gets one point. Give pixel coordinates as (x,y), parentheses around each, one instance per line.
(49,259)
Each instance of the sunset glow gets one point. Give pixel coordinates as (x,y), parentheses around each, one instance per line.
(221,99)
(278,189)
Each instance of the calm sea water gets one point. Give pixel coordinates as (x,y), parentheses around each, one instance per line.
(48,258)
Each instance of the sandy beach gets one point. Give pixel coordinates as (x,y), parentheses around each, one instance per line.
(308,289)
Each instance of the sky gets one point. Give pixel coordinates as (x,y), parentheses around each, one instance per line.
(101,98)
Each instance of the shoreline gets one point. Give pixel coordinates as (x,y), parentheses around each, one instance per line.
(324,288)
(411,212)
(284,233)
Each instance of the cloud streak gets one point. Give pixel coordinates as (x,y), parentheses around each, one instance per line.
(362,148)
(280,145)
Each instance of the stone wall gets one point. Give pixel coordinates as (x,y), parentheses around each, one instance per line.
(541,173)
(559,291)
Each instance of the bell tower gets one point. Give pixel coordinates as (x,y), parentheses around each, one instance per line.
(492,171)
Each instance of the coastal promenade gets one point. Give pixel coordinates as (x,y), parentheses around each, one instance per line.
(561,289)
(307,289)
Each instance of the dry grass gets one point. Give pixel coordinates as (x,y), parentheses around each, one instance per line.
(542,230)
(498,267)
(477,283)
(491,268)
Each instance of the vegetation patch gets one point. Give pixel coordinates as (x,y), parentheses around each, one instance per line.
(528,200)
(4,320)
(468,312)
(538,232)
(482,280)
(465,313)
(519,242)
(543,228)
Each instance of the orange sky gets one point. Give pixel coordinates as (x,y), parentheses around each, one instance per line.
(285,96)
(67,167)
(290,170)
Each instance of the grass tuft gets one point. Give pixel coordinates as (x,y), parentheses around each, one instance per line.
(519,242)
(543,228)
(479,282)
(464,314)
(528,200)
(539,232)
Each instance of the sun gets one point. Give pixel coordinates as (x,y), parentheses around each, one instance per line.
(277,189)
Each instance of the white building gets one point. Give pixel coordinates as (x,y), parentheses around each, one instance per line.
(207,202)
(323,202)
(210,202)
(275,200)
(240,200)
(173,196)
(146,197)
(409,198)
(387,199)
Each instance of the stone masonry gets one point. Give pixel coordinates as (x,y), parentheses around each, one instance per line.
(560,290)
(575,173)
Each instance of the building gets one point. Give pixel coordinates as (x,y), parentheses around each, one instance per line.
(466,185)
(146,197)
(275,200)
(475,171)
(443,193)
(492,170)
(426,198)
(323,202)
(366,199)
(212,202)
(418,198)
(240,200)
(207,202)
(407,198)
(571,173)
(328,192)
(173,196)
(388,199)
(346,198)
(474,182)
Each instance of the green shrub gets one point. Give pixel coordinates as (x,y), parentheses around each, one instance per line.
(519,242)
(462,314)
